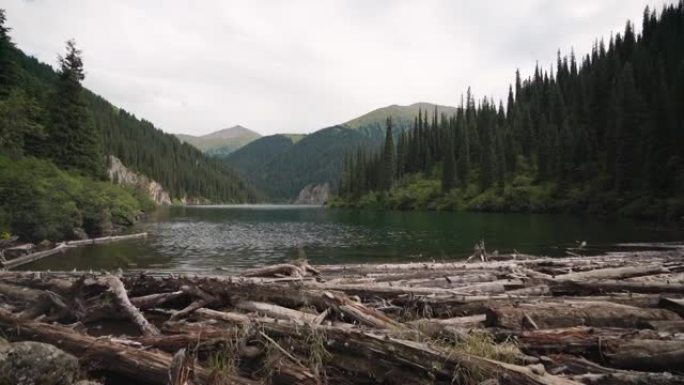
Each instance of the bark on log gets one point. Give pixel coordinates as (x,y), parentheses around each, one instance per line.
(674,304)
(629,378)
(615,272)
(285,269)
(579,313)
(665,326)
(276,311)
(646,355)
(568,287)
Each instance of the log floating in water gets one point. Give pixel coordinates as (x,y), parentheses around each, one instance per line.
(61,247)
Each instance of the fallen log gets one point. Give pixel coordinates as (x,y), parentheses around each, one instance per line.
(141,365)
(103,240)
(571,287)
(674,304)
(12,263)
(629,378)
(573,313)
(615,272)
(646,355)
(276,311)
(664,326)
(61,247)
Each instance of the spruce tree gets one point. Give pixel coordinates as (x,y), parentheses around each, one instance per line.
(449,166)
(73,140)
(387,166)
(8,67)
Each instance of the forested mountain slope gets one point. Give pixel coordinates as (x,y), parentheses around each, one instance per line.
(182,169)
(55,137)
(281,169)
(602,133)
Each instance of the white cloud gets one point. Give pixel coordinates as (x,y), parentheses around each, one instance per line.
(297,66)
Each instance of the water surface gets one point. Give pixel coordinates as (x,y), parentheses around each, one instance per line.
(230,237)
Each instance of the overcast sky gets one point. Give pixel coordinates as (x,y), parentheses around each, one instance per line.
(298,66)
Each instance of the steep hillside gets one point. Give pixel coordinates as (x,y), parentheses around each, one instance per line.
(183,170)
(282,168)
(222,142)
(250,159)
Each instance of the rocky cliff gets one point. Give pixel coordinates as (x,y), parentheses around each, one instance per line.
(314,194)
(119,173)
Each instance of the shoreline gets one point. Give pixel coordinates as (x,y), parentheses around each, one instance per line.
(509,318)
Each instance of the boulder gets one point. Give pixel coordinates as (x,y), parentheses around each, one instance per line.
(36,363)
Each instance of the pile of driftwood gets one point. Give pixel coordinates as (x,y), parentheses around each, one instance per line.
(515,319)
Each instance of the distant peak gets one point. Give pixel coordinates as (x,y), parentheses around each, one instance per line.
(233,132)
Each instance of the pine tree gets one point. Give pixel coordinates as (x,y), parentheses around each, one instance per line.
(626,158)
(8,67)
(449,166)
(387,167)
(73,140)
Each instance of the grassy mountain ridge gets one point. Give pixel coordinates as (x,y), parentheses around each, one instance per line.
(221,142)
(373,123)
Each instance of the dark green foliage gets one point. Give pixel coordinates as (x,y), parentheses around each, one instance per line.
(72,142)
(40,201)
(603,135)
(8,71)
(19,116)
(387,169)
(316,158)
(319,157)
(54,136)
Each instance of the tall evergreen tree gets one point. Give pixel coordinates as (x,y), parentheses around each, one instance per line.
(387,167)
(74,142)
(449,165)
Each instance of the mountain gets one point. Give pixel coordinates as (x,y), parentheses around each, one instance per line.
(281,169)
(222,142)
(180,168)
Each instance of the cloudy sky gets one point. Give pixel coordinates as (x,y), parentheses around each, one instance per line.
(297,66)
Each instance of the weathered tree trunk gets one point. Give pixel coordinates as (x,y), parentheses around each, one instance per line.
(646,355)
(615,272)
(117,288)
(569,313)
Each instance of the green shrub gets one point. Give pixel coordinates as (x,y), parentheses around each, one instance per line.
(40,201)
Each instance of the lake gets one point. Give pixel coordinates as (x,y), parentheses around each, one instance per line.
(229,237)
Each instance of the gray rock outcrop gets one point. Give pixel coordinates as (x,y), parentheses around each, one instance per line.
(36,363)
(120,174)
(314,194)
